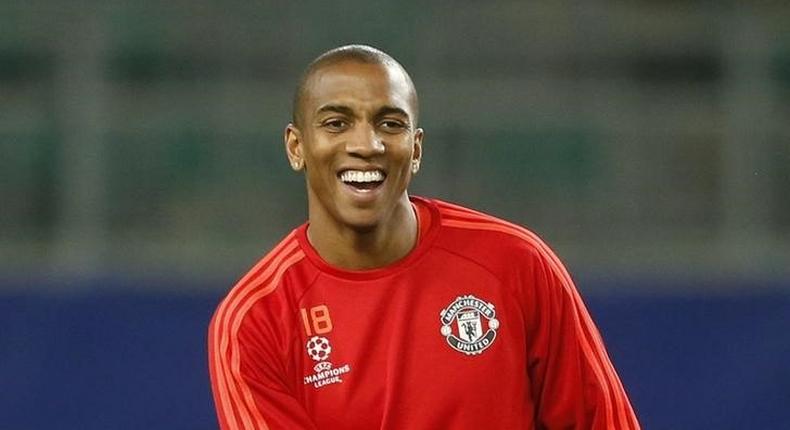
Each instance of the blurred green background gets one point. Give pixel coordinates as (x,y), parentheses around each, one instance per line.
(637,136)
(141,136)
(141,159)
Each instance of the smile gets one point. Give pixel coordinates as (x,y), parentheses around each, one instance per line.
(362,180)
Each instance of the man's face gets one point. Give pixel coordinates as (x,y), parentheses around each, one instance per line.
(358,143)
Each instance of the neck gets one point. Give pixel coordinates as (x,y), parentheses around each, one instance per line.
(354,248)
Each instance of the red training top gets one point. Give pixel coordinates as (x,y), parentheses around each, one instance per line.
(478,327)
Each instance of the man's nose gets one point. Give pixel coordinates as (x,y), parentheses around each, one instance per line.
(365,142)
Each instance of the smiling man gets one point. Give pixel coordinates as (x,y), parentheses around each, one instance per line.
(386,311)
(355,133)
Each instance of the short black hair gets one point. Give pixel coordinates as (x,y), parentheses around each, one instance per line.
(360,53)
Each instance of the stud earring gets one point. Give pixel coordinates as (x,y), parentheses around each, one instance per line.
(296,165)
(415,166)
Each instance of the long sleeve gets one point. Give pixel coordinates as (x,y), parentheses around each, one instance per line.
(249,388)
(572,378)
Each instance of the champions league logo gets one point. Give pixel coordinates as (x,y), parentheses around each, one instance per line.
(318,348)
(475,325)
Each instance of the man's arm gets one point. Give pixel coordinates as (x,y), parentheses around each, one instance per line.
(572,379)
(247,382)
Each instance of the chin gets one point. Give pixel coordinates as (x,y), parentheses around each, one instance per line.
(362,221)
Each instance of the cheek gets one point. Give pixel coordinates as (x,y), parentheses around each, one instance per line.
(319,179)
(403,157)
(318,157)
(400,166)
(401,148)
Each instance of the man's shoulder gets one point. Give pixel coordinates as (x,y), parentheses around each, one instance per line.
(476,229)
(504,249)
(265,287)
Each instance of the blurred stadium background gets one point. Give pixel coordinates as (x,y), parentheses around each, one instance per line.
(142,172)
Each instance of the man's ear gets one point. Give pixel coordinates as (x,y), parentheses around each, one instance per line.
(416,156)
(293,147)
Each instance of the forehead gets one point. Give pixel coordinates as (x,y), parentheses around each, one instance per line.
(359,86)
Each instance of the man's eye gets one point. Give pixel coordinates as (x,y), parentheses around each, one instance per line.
(392,125)
(335,124)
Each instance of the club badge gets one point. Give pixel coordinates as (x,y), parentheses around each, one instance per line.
(469,325)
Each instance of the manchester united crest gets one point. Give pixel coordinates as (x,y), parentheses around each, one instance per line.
(469,324)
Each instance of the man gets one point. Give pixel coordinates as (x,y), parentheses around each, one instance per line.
(386,311)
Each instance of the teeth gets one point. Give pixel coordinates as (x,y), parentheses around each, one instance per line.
(362,176)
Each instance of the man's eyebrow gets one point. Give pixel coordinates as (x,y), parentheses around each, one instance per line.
(345,110)
(388,110)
